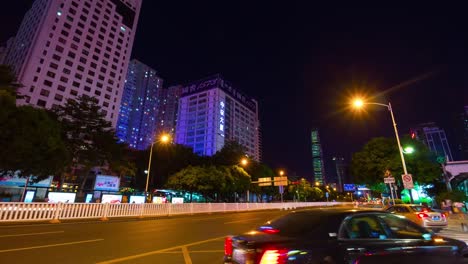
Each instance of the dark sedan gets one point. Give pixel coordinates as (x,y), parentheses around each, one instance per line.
(342,236)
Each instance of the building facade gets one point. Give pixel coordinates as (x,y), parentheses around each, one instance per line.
(167,113)
(212,112)
(434,138)
(137,121)
(341,172)
(68,48)
(317,158)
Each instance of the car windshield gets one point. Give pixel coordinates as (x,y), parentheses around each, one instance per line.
(418,208)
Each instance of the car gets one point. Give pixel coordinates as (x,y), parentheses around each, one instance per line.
(334,235)
(421,215)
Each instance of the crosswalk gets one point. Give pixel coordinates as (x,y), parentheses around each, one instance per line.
(455,230)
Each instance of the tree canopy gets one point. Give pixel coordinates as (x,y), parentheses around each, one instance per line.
(379,155)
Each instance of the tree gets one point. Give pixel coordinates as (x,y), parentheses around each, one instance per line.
(260,170)
(30,139)
(304,190)
(229,155)
(88,136)
(379,155)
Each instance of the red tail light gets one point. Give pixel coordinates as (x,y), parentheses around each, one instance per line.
(274,256)
(228,246)
(422,215)
(271,231)
(443,215)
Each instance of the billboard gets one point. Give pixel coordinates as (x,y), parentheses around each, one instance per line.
(15,180)
(111,198)
(61,197)
(349,187)
(139,199)
(177,200)
(29,196)
(106,183)
(159,200)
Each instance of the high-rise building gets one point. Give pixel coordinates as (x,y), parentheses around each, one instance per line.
(168,105)
(137,117)
(317,157)
(64,49)
(4,50)
(341,172)
(211,112)
(434,138)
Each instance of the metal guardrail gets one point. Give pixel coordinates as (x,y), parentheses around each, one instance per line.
(19,212)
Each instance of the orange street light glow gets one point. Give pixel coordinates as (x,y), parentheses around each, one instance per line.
(358,103)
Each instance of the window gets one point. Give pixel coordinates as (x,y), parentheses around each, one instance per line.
(64,33)
(41,103)
(71,54)
(58,97)
(51,74)
(59,48)
(403,228)
(74,93)
(61,88)
(76,84)
(365,226)
(64,79)
(68,63)
(47,83)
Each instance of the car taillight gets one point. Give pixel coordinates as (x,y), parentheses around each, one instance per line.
(274,256)
(269,230)
(422,215)
(443,215)
(228,246)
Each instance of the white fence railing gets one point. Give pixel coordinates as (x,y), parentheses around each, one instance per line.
(10,212)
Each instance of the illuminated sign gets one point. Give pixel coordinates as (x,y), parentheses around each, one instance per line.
(61,197)
(111,198)
(106,183)
(177,200)
(16,180)
(29,196)
(221,118)
(139,199)
(159,200)
(349,187)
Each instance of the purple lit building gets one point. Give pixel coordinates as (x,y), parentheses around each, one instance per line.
(168,105)
(211,111)
(64,49)
(137,116)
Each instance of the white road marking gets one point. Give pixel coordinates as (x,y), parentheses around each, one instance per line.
(187,258)
(240,221)
(158,251)
(33,234)
(51,245)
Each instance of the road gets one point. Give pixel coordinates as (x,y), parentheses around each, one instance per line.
(183,239)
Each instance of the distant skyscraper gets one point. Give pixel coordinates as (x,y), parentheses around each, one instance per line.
(434,138)
(64,49)
(137,117)
(317,157)
(168,105)
(341,172)
(211,111)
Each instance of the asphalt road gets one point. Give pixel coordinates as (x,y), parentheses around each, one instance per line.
(182,239)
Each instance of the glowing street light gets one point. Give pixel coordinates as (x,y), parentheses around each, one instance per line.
(359,103)
(244,162)
(408,150)
(164,139)
(281,172)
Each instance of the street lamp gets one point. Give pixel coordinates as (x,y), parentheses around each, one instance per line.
(244,162)
(164,138)
(358,103)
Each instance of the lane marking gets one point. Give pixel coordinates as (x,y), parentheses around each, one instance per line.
(33,234)
(206,251)
(52,245)
(240,221)
(187,258)
(158,251)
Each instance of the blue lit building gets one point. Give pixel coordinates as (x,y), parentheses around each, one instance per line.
(317,158)
(211,111)
(138,109)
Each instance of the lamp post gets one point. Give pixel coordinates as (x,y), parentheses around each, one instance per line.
(359,103)
(163,139)
(244,162)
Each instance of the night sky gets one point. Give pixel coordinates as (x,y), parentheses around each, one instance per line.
(303,61)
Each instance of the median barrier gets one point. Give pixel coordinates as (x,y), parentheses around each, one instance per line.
(24,212)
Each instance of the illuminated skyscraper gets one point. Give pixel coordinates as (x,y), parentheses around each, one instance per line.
(211,111)
(137,117)
(317,157)
(168,105)
(64,49)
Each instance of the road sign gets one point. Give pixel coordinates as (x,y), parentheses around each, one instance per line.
(407,181)
(264,181)
(281,181)
(281,189)
(327,194)
(389,180)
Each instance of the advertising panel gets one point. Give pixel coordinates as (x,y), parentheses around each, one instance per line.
(29,196)
(177,200)
(89,197)
(106,183)
(15,180)
(349,187)
(159,200)
(111,198)
(139,199)
(61,197)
